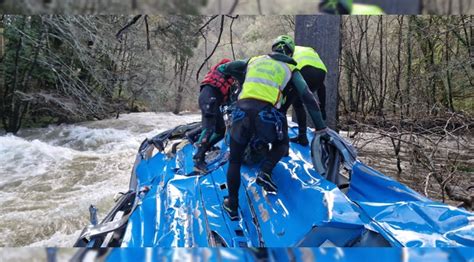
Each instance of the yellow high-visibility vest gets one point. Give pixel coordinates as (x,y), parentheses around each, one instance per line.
(307,56)
(265,79)
(361,9)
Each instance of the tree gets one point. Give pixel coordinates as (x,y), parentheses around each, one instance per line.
(19,67)
(408,83)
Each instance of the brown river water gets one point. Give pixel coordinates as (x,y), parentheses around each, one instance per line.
(50,176)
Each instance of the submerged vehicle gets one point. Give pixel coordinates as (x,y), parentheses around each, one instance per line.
(326,198)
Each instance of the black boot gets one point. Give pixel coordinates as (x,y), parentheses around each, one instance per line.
(265,180)
(232,212)
(301,139)
(200,164)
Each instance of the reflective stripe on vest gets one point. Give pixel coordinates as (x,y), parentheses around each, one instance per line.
(265,80)
(306,56)
(361,9)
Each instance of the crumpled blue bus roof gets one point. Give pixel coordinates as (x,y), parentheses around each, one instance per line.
(308,211)
(293,254)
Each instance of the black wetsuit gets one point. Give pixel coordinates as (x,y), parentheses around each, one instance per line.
(252,127)
(213,125)
(247,123)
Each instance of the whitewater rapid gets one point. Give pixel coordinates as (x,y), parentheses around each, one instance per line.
(50,176)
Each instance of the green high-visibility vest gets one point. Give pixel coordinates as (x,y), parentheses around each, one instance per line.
(307,56)
(265,79)
(361,9)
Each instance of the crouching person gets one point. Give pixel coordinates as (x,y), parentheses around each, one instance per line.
(257,114)
(215,91)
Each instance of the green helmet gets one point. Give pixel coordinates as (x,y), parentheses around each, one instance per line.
(338,7)
(284,44)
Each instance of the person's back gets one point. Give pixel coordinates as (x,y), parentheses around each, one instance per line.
(307,56)
(265,80)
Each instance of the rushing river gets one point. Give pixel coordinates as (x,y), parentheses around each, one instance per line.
(50,176)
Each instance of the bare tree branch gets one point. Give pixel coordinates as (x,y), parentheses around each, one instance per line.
(148,45)
(206,24)
(132,22)
(215,48)
(231,35)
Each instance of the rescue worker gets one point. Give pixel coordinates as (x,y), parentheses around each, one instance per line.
(346,7)
(215,91)
(313,70)
(257,115)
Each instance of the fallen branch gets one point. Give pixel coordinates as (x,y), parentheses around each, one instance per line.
(450,191)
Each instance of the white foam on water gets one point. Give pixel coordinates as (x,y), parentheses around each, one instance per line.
(98,140)
(26,255)
(20,157)
(50,176)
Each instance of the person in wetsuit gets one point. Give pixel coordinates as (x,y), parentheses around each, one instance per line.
(257,114)
(313,70)
(215,91)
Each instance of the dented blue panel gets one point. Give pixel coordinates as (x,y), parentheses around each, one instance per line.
(180,254)
(293,254)
(370,185)
(412,219)
(420,224)
(304,201)
(170,214)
